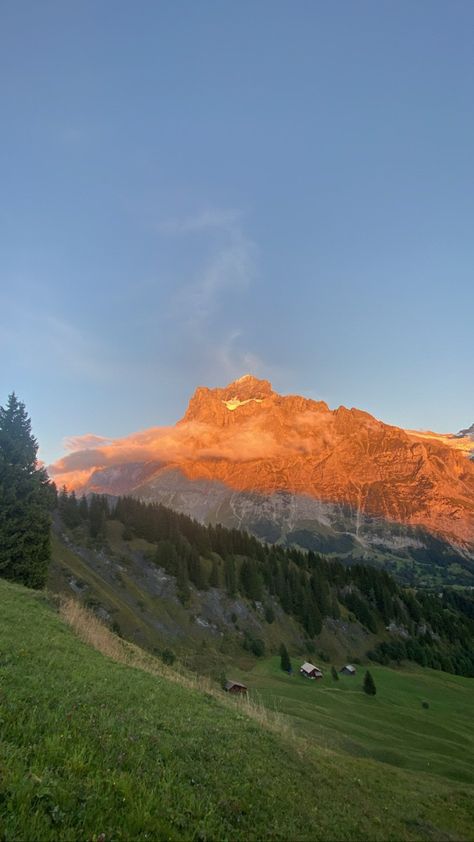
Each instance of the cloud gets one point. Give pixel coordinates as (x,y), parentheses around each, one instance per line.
(233,361)
(88,441)
(208,312)
(229,268)
(187,442)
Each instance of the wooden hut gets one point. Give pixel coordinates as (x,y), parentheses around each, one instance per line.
(348,669)
(235,687)
(308,670)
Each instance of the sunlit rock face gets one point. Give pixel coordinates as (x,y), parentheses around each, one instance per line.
(289,468)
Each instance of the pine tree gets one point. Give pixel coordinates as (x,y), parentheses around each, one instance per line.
(182,581)
(83,508)
(230,576)
(251,580)
(96,517)
(334,674)
(285,662)
(369,684)
(26,498)
(214,577)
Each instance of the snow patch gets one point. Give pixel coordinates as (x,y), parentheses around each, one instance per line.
(235,402)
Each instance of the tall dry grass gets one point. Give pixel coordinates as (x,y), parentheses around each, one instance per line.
(96,634)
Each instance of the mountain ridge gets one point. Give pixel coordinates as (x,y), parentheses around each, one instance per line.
(245,445)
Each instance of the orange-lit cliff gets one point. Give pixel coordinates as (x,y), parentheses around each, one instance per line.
(249,439)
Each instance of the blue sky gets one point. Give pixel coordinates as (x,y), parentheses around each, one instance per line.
(190,191)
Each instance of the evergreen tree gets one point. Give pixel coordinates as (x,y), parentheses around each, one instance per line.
(97,515)
(230,576)
(334,674)
(69,509)
(369,684)
(285,662)
(195,570)
(26,497)
(251,580)
(214,577)
(182,581)
(83,508)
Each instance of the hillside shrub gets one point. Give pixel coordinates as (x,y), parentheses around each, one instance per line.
(254,644)
(269,614)
(168,657)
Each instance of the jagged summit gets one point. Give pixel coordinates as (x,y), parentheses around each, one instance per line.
(215,405)
(249,386)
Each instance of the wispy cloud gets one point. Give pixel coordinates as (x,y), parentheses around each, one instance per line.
(234,361)
(88,441)
(230,267)
(205,308)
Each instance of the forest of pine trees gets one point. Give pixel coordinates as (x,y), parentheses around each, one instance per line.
(438,632)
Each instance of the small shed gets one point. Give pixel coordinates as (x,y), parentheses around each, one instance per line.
(348,670)
(308,670)
(235,687)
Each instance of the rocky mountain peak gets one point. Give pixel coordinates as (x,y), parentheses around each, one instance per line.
(218,406)
(249,386)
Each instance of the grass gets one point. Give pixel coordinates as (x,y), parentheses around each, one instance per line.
(114,747)
(393,727)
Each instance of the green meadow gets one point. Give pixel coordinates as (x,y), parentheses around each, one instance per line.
(93,749)
(393,727)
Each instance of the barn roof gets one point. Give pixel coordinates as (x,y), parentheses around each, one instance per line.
(349,667)
(230,684)
(307,667)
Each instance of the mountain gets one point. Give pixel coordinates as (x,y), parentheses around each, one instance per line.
(468,433)
(290,469)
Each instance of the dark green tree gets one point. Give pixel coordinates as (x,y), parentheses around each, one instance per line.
(230,576)
(182,581)
(83,508)
(214,577)
(69,509)
(269,613)
(97,518)
(26,499)
(369,684)
(251,580)
(285,661)
(334,674)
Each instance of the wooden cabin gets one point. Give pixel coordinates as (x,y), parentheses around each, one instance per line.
(235,687)
(348,670)
(308,670)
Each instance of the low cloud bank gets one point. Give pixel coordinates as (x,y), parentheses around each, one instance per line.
(189,441)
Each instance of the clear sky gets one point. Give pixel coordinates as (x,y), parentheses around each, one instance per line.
(193,190)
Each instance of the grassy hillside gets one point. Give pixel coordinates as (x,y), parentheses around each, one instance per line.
(91,748)
(393,727)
